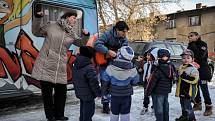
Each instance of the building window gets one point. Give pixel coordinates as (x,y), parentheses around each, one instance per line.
(171,24)
(194,21)
(44,13)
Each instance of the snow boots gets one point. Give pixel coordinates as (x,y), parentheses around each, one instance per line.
(182,118)
(197,107)
(208,110)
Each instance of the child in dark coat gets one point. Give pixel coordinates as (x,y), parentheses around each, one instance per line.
(187,86)
(160,84)
(86,82)
(119,77)
(150,57)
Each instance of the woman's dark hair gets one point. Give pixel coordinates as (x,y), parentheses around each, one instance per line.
(68,14)
(196,34)
(121,25)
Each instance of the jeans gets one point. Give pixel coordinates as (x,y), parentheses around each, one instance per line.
(186,107)
(87,110)
(204,87)
(161,107)
(105,98)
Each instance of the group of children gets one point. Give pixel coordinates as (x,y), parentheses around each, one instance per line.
(163,75)
(159,74)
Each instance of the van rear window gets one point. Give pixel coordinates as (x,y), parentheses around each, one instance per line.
(45,12)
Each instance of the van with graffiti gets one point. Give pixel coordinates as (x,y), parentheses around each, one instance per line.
(20,39)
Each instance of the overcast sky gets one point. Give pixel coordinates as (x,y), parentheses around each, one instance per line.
(186,5)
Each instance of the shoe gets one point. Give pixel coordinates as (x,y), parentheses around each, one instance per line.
(197,107)
(106,108)
(181,118)
(53,119)
(192,120)
(144,110)
(62,118)
(208,110)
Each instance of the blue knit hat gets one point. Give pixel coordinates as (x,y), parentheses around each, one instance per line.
(163,52)
(125,53)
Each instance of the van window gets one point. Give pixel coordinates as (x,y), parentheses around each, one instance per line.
(44,13)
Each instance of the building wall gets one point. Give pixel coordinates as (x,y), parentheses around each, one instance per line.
(206,30)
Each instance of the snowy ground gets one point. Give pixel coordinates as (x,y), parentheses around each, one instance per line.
(72,109)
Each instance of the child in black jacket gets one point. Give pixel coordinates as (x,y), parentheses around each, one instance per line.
(86,82)
(160,84)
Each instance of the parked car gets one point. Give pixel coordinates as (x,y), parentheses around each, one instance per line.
(176,48)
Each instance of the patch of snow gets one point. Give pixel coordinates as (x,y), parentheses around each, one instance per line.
(72,109)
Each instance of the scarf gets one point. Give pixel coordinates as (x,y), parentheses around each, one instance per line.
(64,23)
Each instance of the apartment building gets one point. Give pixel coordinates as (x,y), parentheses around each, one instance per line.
(179,24)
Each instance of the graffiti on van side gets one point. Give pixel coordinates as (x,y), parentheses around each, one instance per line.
(11,62)
(10,16)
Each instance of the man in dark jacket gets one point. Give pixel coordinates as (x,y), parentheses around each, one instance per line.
(108,44)
(200,50)
(86,82)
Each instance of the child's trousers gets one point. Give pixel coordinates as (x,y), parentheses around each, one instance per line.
(120,108)
(186,107)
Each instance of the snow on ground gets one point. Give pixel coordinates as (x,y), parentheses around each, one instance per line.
(72,109)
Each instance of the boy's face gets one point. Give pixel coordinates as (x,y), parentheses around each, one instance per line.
(148,56)
(165,58)
(187,59)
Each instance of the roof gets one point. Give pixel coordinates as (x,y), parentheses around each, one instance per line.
(193,11)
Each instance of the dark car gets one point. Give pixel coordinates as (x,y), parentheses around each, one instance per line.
(176,48)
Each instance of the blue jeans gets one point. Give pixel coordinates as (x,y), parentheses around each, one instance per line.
(161,107)
(105,98)
(187,110)
(205,92)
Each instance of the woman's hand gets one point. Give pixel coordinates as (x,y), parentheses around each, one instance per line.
(85,31)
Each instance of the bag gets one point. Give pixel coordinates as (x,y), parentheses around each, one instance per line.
(100,58)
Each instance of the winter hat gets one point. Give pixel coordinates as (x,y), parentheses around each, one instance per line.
(188,52)
(87,51)
(163,52)
(125,53)
(121,25)
(153,51)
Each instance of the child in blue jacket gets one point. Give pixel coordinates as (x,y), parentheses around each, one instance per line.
(119,77)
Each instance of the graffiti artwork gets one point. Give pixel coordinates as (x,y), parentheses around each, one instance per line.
(19,45)
(18,52)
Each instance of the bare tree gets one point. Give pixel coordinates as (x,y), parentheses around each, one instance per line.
(135,13)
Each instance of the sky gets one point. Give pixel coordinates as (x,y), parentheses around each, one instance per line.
(186,5)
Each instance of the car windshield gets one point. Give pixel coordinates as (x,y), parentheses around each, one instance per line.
(177,48)
(137,47)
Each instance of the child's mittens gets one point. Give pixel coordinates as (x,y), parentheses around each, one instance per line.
(184,75)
